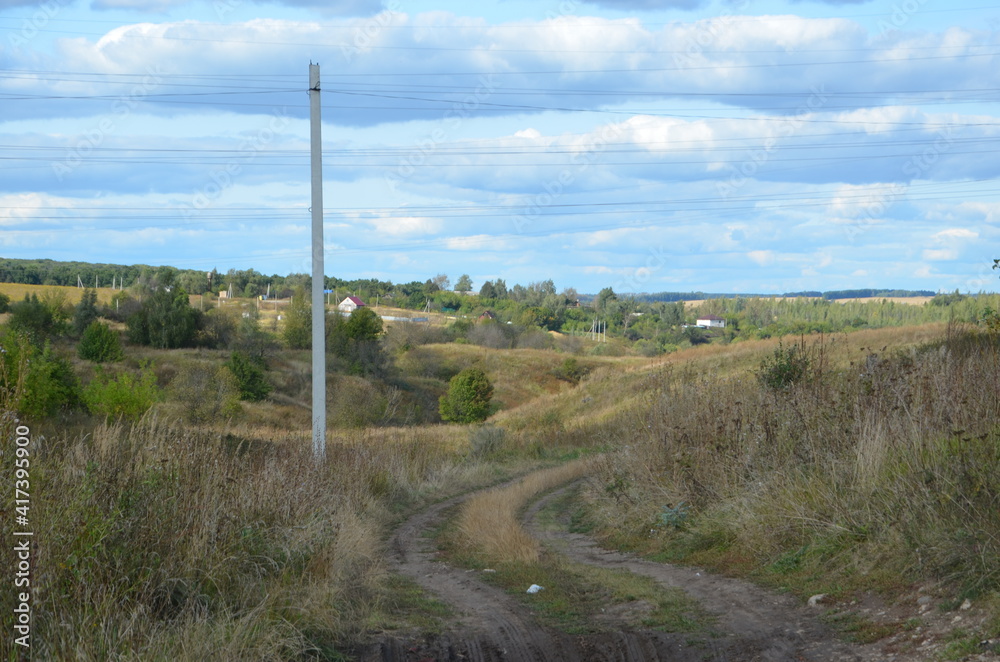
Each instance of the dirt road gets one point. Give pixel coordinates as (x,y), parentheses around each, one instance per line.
(491,625)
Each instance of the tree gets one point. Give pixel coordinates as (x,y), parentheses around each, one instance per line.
(166,320)
(487,291)
(357,341)
(39,381)
(604,299)
(363,324)
(99,344)
(501,289)
(33,318)
(464,283)
(468,397)
(442,281)
(85,312)
(250,379)
(298,321)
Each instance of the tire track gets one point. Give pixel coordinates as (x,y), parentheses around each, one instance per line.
(491,625)
(763,625)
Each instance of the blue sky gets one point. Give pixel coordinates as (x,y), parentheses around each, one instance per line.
(646,145)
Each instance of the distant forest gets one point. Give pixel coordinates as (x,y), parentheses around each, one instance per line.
(250,283)
(832,295)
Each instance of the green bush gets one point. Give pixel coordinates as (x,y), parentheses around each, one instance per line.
(298,321)
(38,319)
(99,344)
(786,366)
(250,379)
(166,320)
(571,371)
(42,381)
(468,397)
(125,395)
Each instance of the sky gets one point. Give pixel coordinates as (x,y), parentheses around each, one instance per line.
(645,145)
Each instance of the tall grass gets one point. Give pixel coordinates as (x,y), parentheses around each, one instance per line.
(865,470)
(489,523)
(157,542)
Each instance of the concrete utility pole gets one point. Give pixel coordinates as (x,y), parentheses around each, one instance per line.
(318,276)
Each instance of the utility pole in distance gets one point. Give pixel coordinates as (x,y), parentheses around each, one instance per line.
(318,276)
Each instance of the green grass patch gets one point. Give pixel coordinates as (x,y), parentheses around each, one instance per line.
(579,598)
(408,606)
(859,629)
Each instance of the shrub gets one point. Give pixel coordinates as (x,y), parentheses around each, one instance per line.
(204,393)
(166,320)
(298,321)
(99,344)
(37,319)
(42,381)
(786,366)
(251,382)
(125,395)
(468,397)
(487,442)
(571,371)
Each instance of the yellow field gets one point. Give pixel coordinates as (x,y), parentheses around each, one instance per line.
(16,292)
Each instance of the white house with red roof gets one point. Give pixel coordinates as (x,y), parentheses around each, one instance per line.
(350,304)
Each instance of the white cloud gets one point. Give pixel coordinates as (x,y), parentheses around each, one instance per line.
(408,226)
(762,258)
(955,233)
(940,254)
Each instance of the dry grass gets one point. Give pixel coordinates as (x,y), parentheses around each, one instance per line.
(518,375)
(165,542)
(489,523)
(878,466)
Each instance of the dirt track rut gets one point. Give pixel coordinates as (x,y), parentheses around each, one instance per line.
(492,625)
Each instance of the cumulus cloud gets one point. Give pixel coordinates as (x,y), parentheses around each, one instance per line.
(940,254)
(956,233)
(762,258)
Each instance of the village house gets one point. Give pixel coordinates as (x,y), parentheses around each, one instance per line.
(350,304)
(711,322)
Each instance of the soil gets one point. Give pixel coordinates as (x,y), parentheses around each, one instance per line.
(754,625)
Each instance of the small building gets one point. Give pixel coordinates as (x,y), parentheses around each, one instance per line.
(350,304)
(488,315)
(711,322)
